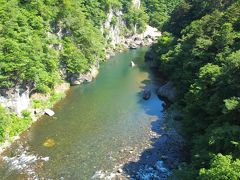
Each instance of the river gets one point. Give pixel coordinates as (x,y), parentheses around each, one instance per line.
(92,125)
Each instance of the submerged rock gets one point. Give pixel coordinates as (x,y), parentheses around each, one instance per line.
(158,171)
(160,167)
(49,143)
(146,94)
(149,58)
(153,173)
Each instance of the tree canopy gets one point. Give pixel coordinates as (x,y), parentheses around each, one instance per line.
(200,53)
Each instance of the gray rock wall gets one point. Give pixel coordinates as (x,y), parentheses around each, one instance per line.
(117,36)
(16,100)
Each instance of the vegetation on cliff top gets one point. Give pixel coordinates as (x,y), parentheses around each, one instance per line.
(31,51)
(200,52)
(159,11)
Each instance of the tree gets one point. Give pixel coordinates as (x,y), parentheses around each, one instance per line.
(222,168)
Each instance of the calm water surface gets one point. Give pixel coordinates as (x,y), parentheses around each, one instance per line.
(90,127)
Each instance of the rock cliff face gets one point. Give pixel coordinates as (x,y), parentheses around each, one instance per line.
(116,33)
(17,100)
(113,32)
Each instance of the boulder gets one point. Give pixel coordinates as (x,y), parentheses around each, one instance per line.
(148,56)
(77,79)
(149,41)
(160,167)
(152,33)
(132,64)
(119,170)
(98,175)
(45,158)
(133,46)
(146,94)
(138,42)
(49,112)
(167,91)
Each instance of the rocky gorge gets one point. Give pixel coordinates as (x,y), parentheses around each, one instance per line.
(162,141)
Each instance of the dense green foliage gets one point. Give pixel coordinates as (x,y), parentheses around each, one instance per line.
(25,55)
(200,53)
(29,42)
(11,125)
(159,11)
(222,167)
(96,10)
(136,17)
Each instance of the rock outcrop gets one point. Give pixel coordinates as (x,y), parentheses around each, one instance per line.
(167,91)
(77,79)
(148,37)
(16,100)
(19,99)
(49,112)
(124,40)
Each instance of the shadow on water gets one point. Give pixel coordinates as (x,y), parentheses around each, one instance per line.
(163,151)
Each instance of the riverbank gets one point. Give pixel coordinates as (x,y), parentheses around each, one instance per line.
(154,158)
(39,102)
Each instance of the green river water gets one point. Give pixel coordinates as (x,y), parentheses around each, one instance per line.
(91,125)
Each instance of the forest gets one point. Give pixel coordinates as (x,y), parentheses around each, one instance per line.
(200,53)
